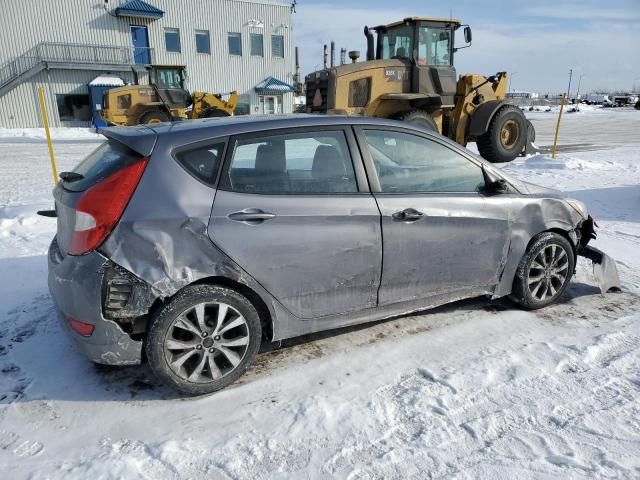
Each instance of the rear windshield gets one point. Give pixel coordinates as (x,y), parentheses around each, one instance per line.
(103,162)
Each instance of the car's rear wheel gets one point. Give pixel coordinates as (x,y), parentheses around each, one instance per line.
(544,271)
(204,339)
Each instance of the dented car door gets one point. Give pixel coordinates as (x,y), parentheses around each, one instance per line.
(442,236)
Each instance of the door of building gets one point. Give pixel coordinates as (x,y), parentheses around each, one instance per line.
(270,104)
(140,40)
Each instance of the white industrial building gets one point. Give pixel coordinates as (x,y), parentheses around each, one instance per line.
(64,45)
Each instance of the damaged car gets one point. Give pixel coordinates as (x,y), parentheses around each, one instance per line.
(188,245)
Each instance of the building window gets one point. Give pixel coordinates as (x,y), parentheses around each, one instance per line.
(277,46)
(235,44)
(202,41)
(73,108)
(257,48)
(172,39)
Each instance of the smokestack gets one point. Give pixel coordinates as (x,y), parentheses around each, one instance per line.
(354,55)
(370,44)
(333,54)
(297,79)
(343,56)
(325,56)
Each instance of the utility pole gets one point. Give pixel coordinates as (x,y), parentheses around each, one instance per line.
(569,89)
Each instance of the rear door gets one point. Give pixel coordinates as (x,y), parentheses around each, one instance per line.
(441,236)
(294,211)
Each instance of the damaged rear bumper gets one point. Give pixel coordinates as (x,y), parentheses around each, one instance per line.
(75,284)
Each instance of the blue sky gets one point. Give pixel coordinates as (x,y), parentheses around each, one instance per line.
(539,39)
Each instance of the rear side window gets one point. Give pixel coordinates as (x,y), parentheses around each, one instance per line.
(292,164)
(202,162)
(103,162)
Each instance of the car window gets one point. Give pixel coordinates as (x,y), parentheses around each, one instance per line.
(294,163)
(103,162)
(202,162)
(408,163)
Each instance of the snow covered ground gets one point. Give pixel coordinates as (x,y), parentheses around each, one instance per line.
(477,389)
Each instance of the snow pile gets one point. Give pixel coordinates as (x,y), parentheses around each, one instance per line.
(59,133)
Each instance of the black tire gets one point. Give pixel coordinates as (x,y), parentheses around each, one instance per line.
(162,328)
(214,112)
(524,291)
(506,136)
(154,116)
(418,117)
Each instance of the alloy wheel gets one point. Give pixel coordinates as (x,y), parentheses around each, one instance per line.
(206,342)
(548,272)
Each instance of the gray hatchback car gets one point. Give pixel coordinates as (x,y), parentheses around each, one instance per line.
(189,244)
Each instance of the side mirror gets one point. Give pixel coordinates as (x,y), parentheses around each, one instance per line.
(467,34)
(493,186)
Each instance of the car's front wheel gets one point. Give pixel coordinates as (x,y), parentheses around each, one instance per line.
(544,271)
(203,339)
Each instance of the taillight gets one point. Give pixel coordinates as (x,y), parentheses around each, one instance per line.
(101,206)
(81,328)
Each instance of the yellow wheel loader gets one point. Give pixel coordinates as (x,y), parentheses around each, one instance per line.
(409,75)
(164,99)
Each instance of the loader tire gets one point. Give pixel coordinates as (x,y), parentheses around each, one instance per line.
(154,116)
(506,136)
(418,117)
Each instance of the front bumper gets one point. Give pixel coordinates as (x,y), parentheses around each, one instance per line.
(604,269)
(75,284)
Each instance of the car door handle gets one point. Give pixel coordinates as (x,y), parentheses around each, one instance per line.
(408,215)
(251,215)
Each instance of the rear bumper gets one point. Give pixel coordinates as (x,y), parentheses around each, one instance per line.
(75,284)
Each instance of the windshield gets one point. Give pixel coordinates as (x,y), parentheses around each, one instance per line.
(397,43)
(434,46)
(169,78)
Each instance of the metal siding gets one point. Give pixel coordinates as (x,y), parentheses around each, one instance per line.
(24,24)
(19,108)
(219,71)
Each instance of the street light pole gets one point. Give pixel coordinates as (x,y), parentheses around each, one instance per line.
(579,83)
(511,78)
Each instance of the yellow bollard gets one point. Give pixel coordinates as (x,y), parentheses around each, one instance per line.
(45,121)
(555,140)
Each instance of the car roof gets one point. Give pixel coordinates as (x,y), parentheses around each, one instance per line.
(142,138)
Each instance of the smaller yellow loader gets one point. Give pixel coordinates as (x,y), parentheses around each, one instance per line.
(164,99)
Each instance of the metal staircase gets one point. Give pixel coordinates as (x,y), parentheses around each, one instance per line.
(70,56)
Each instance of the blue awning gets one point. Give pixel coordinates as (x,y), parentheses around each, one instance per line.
(272,86)
(138,8)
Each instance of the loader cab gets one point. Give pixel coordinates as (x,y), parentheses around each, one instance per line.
(428,44)
(169,81)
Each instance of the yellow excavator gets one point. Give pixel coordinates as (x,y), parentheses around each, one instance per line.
(164,99)
(409,75)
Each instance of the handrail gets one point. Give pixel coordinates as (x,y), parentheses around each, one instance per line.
(73,53)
